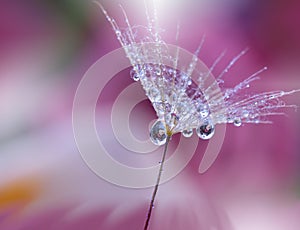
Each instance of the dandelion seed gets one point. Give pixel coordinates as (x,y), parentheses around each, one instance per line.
(181,104)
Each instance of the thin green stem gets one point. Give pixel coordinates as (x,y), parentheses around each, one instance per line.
(157,183)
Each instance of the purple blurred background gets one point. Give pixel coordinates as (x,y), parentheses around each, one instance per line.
(46,47)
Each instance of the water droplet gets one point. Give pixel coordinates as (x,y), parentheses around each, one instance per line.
(184,77)
(203,110)
(237,122)
(118,33)
(159,108)
(281,103)
(204,113)
(134,75)
(230,120)
(173,96)
(253,116)
(158,71)
(158,133)
(181,108)
(154,94)
(187,132)
(245,113)
(171,71)
(162,108)
(206,129)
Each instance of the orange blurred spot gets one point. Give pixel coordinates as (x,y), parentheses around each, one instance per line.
(18,193)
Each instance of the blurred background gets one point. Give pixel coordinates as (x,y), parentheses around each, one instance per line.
(47,46)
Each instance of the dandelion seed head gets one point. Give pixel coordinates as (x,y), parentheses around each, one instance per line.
(181,103)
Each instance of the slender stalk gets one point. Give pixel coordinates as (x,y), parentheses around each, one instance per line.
(157,183)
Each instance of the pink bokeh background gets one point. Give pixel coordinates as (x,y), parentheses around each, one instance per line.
(47,46)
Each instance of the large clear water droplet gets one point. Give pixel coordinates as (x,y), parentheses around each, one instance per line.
(187,132)
(158,133)
(206,130)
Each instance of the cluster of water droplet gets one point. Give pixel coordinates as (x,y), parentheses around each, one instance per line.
(177,100)
(183,105)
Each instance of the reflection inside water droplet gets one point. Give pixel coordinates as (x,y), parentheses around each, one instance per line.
(158,134)
(206,130)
